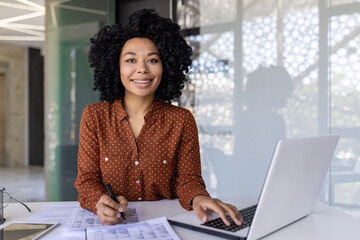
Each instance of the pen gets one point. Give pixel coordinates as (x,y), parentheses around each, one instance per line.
(112,195)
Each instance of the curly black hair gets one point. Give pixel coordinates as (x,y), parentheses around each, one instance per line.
(107,44)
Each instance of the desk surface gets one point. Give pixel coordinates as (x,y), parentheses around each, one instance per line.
(324,223)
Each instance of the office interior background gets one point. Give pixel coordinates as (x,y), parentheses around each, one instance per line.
(262,71)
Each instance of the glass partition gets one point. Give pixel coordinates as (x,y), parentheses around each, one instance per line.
(69,83)
(344,32)
(266,70)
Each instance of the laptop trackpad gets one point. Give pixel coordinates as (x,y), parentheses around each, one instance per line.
(244,232)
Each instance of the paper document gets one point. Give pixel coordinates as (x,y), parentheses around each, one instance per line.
(79,234)
(60,213)
(155,229)
(81,218)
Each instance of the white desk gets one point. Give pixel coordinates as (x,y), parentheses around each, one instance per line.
(326,223)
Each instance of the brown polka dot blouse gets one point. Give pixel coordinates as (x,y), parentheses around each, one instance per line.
(164,161)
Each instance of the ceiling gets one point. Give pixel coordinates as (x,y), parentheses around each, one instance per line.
(22,22)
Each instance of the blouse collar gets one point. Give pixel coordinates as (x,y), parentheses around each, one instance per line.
(153,112)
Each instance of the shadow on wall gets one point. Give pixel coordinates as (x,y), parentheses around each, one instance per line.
(261,126)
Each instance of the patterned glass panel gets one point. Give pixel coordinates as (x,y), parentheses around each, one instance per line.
(275,69)
(345,110)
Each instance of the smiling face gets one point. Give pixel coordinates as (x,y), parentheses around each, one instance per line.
(140,67)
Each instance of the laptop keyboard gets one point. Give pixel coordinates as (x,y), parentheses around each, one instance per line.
(247,215)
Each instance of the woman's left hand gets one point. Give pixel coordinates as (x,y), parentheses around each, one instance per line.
(203,203)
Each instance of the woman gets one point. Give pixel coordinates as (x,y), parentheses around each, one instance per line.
(134,139)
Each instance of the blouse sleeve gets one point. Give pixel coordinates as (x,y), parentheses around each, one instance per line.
(189,182)
(89,181)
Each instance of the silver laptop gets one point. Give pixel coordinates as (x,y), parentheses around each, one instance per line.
(290,191)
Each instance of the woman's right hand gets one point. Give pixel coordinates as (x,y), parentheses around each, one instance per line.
(108,210)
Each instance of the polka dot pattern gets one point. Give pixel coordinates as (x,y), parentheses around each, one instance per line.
(163,162)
